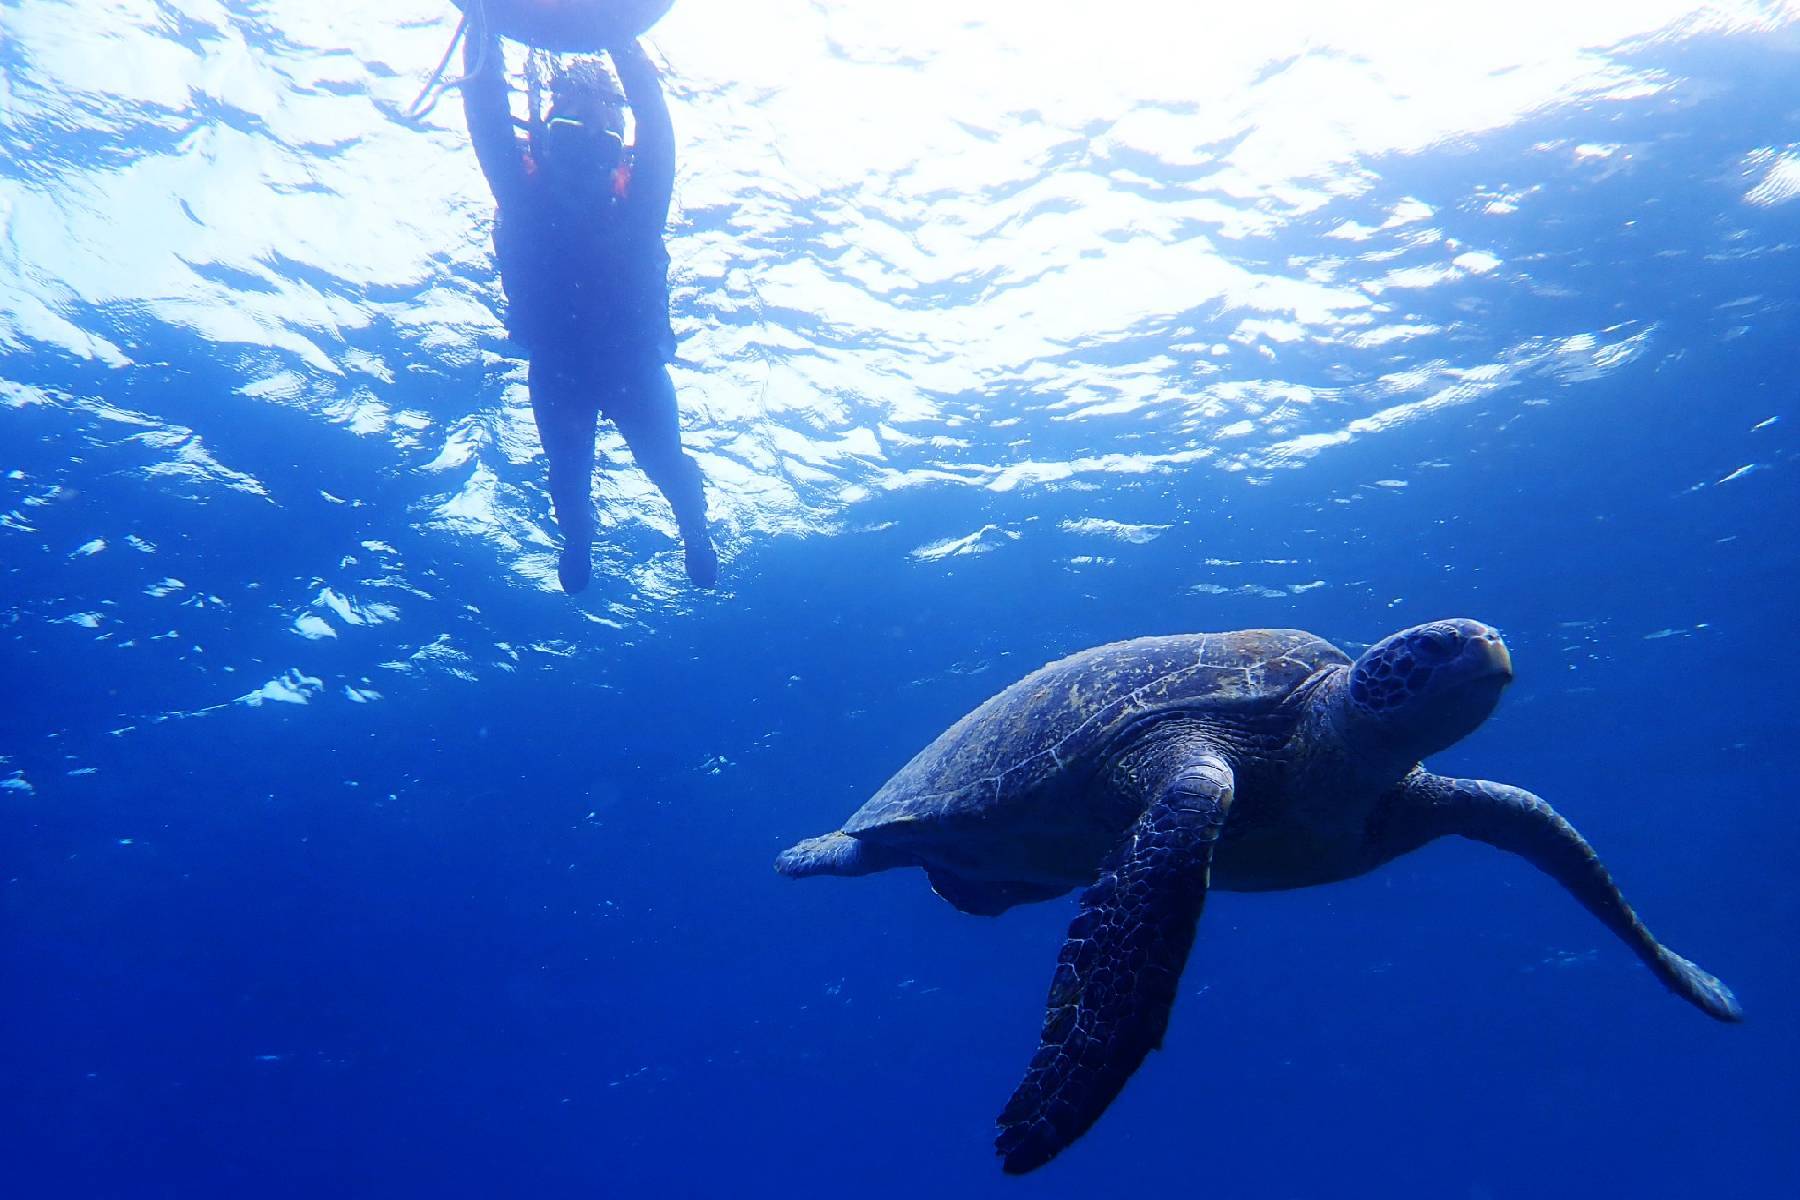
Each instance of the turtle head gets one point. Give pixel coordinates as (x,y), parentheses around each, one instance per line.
(1428,687)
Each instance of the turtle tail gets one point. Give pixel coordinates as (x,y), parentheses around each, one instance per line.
(838,854)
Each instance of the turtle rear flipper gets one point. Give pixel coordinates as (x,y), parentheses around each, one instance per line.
(1116,977)
(839,854)
(1514,819)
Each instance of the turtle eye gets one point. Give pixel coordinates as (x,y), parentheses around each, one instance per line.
(1437,643)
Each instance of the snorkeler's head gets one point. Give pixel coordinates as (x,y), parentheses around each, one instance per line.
(584,130)
(584,89)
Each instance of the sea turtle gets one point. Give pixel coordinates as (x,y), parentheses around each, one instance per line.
(1154,769)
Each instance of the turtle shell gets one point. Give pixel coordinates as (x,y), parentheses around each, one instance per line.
(1000,766)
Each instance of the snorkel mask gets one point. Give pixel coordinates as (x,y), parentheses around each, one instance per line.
(574,146)
(583,133)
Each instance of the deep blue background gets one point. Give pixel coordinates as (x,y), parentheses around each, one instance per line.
(519,935)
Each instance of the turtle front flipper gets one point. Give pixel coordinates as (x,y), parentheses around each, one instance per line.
(1511,818)
(1115,980)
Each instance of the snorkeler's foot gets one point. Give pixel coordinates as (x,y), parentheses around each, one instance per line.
(575,567)
(702,560)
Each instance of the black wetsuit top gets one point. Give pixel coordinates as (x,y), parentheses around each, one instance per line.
(593,279)
(586,284)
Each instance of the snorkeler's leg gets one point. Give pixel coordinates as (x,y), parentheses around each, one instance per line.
(565,423)
(644,410)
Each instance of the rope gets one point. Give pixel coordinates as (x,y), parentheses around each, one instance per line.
(437,85)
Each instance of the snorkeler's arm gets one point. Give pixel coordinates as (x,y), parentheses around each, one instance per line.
(653,145)
(489,115)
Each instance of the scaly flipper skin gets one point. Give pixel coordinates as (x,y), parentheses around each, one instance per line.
(1116,978)
(838,854)
(1511,818)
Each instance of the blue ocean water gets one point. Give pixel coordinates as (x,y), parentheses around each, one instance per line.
(340,853)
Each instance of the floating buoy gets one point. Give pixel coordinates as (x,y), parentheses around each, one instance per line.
(569,26)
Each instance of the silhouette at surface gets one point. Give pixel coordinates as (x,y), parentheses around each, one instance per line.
(578,235)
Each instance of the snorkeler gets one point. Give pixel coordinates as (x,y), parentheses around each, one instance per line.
(578,234)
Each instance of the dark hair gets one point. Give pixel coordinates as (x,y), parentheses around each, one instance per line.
(585,82)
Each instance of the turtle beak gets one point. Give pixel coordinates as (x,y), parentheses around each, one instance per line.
(1485,667)
(1495,658)
(1483,655)
(1468,692)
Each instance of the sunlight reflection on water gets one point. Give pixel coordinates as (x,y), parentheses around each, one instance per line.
(921,246)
